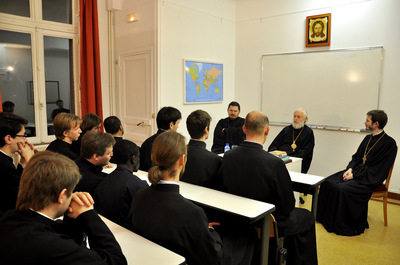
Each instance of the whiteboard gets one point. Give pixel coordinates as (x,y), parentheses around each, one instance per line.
(336,87)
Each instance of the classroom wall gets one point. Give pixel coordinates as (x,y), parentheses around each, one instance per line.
(198,30)
(267,26)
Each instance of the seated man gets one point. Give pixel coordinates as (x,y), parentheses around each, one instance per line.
(96,152)
(168,119)
(114,194)
(343,197)
(252,172)
(15,153)
(113,126)
(31,235)
(229,130)
(202,165)
(66,129)
(296,140)
(90,122)
(60,109)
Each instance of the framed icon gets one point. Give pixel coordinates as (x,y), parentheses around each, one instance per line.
(318,30)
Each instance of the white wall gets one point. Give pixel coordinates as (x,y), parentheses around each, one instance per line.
(198,30)
(268,26)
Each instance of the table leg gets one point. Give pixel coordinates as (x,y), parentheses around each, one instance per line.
(314,204)
(265,239)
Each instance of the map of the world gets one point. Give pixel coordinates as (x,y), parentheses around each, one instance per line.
(203,82)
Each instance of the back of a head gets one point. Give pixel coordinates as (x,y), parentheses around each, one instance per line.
(95,143)
(234,104)
(196,122)
(124,150)
(10,124)
(168,147)
(44,177)
(166,115)
(378,116)
(256,122)
(8,106)
(65,122)
(112,124)
(89,121)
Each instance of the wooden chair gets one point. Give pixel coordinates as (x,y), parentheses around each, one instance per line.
(382,192)
(280,252)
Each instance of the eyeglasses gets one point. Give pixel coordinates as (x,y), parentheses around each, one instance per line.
(24,135)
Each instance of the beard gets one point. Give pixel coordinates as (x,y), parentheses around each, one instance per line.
(298,125)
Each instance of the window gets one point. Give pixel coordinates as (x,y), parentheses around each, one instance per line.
(38,61)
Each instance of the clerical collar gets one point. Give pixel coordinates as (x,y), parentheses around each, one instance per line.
(253,142)
(377,133)
(167,182)
(42,214)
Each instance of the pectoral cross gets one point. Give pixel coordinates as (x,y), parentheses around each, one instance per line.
(364,158)
(293,146)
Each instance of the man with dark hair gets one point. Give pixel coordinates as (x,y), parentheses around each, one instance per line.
(66,129)
(31,235)
(90,122)
(8,106)
(168,119)
(252,172)
(229,130)
(60,109)
(296,140)
(113,126)
(96,152)
(202,166)
(114,194)
(343,196)
(15,153)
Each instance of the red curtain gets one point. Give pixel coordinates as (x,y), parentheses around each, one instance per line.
(1,101)
(90,59)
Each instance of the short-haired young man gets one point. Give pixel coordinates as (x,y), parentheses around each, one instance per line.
(202,166)
(168,119)
(31,235)
(96,152)
(113,126)
(229,130)
(114,194)
(66,129)
(15,152)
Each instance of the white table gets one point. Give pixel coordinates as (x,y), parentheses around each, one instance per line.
(138,250)
(308,184)
(229,203)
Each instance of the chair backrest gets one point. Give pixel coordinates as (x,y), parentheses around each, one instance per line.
(389,177)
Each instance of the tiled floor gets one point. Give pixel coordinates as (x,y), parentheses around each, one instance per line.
(378,245)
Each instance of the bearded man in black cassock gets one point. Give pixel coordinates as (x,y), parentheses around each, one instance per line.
(343,197)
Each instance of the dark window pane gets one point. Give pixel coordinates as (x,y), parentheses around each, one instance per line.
(57,10)
(15,7)
(58,74)
(16,75)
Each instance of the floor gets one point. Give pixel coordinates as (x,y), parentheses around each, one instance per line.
(378,245)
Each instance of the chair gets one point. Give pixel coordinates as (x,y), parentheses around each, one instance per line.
(383,191)
(280,252)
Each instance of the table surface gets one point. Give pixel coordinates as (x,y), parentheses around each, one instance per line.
(307,179)
(252,209)
(139,250)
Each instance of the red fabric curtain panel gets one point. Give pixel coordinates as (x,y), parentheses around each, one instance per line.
(1,105)
(90,59)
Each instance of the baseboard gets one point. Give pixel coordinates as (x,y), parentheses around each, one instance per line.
(395,196)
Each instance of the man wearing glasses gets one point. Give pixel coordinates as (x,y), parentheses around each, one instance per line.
(15,152)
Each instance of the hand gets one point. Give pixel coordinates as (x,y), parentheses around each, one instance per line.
(109,165)
(212,224)
(80,203)
(348,174)
(25,150)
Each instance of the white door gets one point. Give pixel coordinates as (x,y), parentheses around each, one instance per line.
(136,95)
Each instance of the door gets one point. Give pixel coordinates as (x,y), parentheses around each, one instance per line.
(135,95)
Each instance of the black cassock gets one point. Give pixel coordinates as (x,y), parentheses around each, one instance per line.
(61,147)
(343,205)
(305,144)
(252,172)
